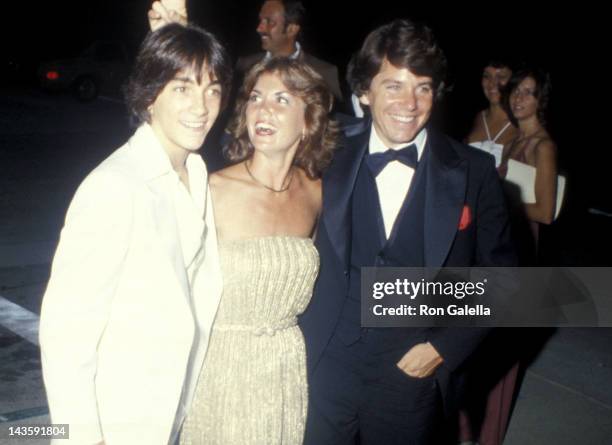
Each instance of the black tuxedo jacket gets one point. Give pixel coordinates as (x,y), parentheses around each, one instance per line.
(458,177)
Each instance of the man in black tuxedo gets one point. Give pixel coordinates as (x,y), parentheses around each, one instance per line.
(397,194)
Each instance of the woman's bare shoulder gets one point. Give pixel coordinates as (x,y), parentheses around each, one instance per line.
(547,142)
(227,175)
(545,146)
(313,189)
(311,185)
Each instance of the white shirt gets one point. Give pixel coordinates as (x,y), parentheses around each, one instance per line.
(189,210)
(294,56)
(189,207)
(395,179)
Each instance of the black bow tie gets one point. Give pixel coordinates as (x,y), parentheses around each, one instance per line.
(407,155)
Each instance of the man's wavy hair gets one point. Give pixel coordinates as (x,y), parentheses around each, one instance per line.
(164,53)
(405,44)
(542,91)
(315,150)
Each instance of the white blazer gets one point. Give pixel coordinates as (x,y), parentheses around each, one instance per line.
(122,339)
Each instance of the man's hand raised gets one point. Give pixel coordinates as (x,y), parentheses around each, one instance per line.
(164,12)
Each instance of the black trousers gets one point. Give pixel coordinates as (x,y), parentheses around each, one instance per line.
(357,394)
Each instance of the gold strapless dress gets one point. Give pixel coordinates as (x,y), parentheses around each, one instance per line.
(252,388)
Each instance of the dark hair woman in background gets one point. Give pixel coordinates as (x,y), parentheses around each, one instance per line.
(492,128)
(527,101)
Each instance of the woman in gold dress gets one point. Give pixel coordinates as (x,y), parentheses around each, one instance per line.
(252,389)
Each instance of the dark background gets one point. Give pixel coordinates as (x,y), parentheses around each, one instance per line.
(561,39)
(335,29)
(469,34)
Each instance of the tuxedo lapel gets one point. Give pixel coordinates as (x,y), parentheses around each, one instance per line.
(444,199)
(338,185)
(153,167)
(167,229)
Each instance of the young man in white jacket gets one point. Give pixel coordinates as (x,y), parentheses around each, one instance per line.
(135,281)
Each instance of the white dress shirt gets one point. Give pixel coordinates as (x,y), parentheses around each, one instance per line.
(395,179)
(293,56)
(189,207)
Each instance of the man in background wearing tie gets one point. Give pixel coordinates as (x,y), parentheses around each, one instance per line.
(397,194)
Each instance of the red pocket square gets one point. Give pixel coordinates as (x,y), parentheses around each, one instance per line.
(466,218)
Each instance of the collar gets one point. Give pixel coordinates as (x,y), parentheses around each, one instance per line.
(294,56)
(153,159)
(376,145)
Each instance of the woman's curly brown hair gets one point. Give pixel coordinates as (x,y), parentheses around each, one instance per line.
(315,151)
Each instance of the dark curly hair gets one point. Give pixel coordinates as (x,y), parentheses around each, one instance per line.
(405,44)
(165,52)
(316,148)
(542,91)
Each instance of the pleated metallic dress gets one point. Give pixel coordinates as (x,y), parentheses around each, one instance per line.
(253,388)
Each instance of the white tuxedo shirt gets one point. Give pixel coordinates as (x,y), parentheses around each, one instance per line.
(394,181)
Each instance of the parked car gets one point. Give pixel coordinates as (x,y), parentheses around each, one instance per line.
(100,69)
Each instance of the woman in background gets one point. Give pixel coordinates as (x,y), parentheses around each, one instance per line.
(526,99)
(492,128)
(529,94)
(486,412)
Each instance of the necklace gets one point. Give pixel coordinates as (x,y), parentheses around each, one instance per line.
(272,189)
